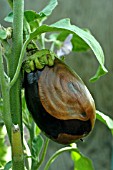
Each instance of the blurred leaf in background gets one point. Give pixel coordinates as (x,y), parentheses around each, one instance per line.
(3,146)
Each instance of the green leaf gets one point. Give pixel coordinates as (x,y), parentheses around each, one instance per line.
(64,25)
(100,72)
(9,18)
(3,151)
(33,18)
(37,145)
(3,34)
(62,36)
(105,119)
(78,44)
(81,162)
(8,165)
(86,36)
(34,25)
(31,15)
(49,8)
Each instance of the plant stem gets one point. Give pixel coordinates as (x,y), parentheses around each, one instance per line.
(15,91)
(28,152)
(15,77)
(56,154)
(17,149)
(6,97)
(42,36)
(44,152)
(38,164)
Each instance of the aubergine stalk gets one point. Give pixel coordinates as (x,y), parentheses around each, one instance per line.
(59,102)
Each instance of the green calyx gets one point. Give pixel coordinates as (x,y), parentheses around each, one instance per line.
(39,60)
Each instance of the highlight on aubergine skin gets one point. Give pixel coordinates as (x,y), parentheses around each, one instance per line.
(59,102)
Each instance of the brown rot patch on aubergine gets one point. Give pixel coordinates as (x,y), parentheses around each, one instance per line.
(46,102)
(51,126)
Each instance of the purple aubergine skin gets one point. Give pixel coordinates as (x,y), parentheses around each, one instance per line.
(51,126)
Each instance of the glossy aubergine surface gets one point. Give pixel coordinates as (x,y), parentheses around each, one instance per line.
(60,103)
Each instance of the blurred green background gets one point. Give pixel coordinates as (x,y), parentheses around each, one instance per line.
(97,16)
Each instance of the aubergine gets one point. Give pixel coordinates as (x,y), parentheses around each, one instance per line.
(59,102)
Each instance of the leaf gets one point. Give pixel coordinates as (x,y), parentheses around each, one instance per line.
(105,119)
(62,36)
(81,162)
(64,25)
(34,25)
(37,145)
(8,165)
(31,15)
(79,45)
(3,34)
(33,18)
(3,145)
(100,72)
(9,18)
(49,8)
(86,36)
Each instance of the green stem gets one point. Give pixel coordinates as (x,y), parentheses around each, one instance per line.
(32,134)
(15,90)
(28,153)
(43,155)
(17,149)
(17,43)
(56,154)
(6,97)
(42,36)
(16,75)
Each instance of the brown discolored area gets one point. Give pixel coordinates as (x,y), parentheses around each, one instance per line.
(54,98)
(64,95)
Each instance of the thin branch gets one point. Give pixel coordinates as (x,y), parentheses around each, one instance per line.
(57,153)
(15,91)
(5,94)
(19,63)
(44,153)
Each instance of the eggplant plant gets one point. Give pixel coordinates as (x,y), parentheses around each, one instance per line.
(40,92)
